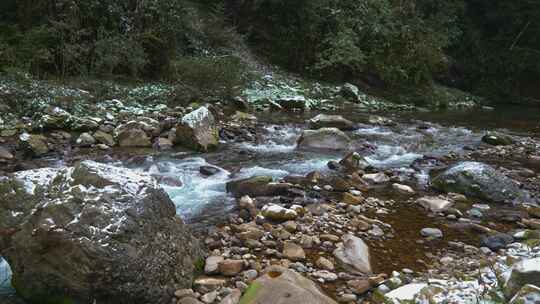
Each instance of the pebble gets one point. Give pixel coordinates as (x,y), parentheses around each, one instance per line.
(431,232)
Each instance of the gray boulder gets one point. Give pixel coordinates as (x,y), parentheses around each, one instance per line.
(350,92)
(198,131)
(93,233)
(34,144)
(330,121)
(479,180)
(497,139)
(353,253)
(284,286)
(256,186)
(324,139)
(132,134)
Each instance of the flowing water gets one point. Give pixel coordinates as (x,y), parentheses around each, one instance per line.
(201,199)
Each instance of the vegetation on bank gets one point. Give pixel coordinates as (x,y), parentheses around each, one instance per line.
(489,48)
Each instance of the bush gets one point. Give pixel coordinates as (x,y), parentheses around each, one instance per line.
(208,77)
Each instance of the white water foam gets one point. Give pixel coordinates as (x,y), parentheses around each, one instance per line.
(387,156)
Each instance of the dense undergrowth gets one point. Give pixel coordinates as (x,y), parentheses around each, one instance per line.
(401,48)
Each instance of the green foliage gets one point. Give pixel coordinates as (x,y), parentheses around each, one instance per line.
(203,78)
(345,39)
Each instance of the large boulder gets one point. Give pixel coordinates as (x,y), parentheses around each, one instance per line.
(353,254)
(330,121)
(132,134)
(197,130)
(324,139)
(497,139)
(93,233)
(479,180)
(284,286)
(523,272)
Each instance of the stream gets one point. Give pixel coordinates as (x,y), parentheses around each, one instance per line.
(202,200)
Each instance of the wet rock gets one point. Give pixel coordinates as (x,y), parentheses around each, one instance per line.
(230,267)
(497,139)
(350,92)
(163,144)
(431,233)
(209,170)
(330,121)
(353,253)
(324,139)
(197,130)
(33,144)
(293,252)
(403,189)
(481,181)
(278,213)
(90,216)
(376,178)
(497,241)
(85,140)
(523,272)
(434,204)
(131,134)
(280,285)
(104,138)
(354,161)
(528,294)
(291,103)
(257,186)
(360,286)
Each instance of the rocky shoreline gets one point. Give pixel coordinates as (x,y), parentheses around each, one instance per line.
(325,237)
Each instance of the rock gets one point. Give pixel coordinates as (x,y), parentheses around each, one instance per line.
(280,285)
(330,121)
(376,178)
(186,292)
(497,139)
(434,204)
(211,266)
(354,161)
(35,145)
(350,199)
(232,298)
(528,294)
(209,298)
(5,154)
(350,92)
(405,293)
(85,140)
(290,226)
(54,118)
(189,300)
(95,222)
(524,272)
(209,170)
(231,267)
(132,134)
(325,275)
(403,189)
(163,144)
(360,286)
(257,186)
(293,252)
(206,284)
(104,138)
(197,130)
(291,103)
(325,264)
(323,139)
(278,213)
(431,233)
(247,203)
(353,253)
(497,241)
(481,181)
